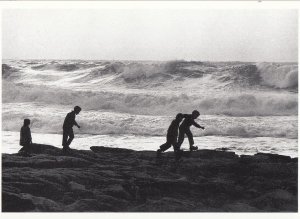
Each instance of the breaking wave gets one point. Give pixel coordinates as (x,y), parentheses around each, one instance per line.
(233,104)
(276,75)
(279,75)
(49,120)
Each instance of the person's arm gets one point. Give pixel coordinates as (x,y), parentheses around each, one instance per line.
(197,125)
(75,123)
(30,138)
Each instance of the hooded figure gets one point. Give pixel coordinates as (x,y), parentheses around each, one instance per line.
(25,137)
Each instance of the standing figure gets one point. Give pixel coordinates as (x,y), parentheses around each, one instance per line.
(184,129)
(172,135)
(68,134)
(25,138)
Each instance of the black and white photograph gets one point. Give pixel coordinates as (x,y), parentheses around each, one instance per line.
(173,108)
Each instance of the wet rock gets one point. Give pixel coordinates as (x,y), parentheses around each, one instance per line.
(99,149)
(278,200)
(84,205)
(117,191)
(121,180)
(274,157)
(76,186)
(166,204)
(240,207)
(14,203)
(43,204)
(111,203)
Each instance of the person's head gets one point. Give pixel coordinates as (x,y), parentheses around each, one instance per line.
(26,122)
(179,117)
(195,114)
(77,110)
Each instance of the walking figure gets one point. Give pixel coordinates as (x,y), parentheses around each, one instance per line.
(172,135)
(68,134)
(184,129)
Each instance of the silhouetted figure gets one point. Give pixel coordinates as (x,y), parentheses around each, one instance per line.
(172,135)
(25,138)
(184,129)
(68,134)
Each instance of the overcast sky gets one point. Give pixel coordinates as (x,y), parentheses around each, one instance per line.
(207,35)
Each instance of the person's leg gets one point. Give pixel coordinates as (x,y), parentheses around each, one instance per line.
(168,144)
(27,148)
(190,137)
(71,137)
(165,146)
(22,150)
(180,138)
(191,140)
(65,138)
(174,143)
(177,151)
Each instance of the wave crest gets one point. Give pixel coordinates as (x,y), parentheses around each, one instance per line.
(233,104)
(279,75)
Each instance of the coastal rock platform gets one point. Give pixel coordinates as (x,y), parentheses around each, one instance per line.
(121,180)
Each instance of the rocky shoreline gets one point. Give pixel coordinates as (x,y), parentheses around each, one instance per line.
(120,180)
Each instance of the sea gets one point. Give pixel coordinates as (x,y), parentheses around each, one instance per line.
(245,107)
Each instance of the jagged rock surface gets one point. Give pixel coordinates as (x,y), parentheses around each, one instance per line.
(113,180)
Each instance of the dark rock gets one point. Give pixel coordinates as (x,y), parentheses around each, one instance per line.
(274,157)
(14,203)
(239,207)
(111,203)
(84,205)
(278,200)
(209,154)
(122,180)
(166,204)
(43,204)
(99,149)
(117,191)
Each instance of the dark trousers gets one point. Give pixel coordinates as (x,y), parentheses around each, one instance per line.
(25,148)
(171,140)
(188,133)
(68,136)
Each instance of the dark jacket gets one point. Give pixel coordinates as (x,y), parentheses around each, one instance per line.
(173,129)
(25,136)
(188,122)
(70,121)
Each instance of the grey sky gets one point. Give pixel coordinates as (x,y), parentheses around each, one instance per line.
(208,35)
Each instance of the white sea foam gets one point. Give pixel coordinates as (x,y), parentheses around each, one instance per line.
(231,103)
(48,119)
